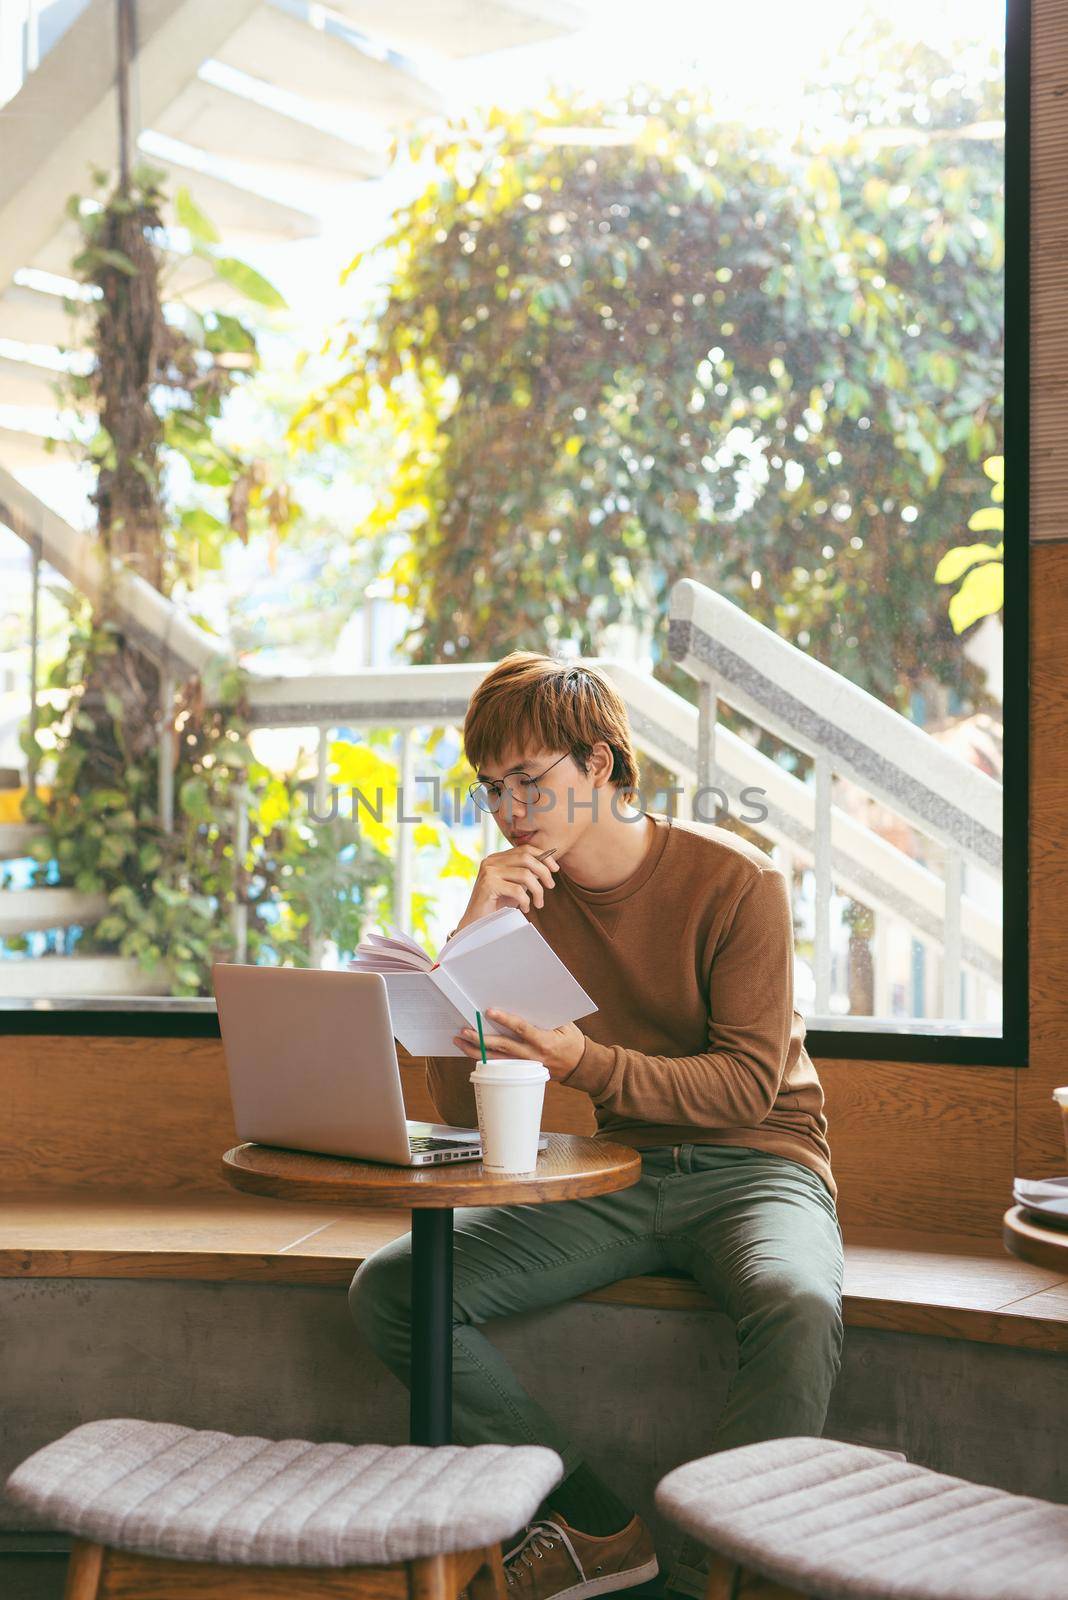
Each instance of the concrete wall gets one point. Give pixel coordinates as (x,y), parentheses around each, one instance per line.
(641,1388)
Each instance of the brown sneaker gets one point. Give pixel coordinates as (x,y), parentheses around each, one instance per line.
(553,1561)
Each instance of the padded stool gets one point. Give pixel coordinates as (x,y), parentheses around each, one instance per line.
(168,1511)
(809,1517)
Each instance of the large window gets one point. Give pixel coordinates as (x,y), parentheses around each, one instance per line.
(672,337)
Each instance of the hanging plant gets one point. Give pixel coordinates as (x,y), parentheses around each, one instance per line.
(177,896)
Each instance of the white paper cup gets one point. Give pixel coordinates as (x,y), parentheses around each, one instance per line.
(509,1095)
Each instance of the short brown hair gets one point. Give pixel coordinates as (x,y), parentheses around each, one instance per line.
(553,705)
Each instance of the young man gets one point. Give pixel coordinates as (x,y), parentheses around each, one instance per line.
(681,932)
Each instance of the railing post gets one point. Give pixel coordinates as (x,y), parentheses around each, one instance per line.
(822,867)
(951,937)
(322,762)
(784,860)
(165,771)
(707,705)
(316,949)
(402,849)
(489,832)
(35,597)
(880,963)
(240,911)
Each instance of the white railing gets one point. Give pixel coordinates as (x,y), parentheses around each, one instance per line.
(734,659)
(845,730)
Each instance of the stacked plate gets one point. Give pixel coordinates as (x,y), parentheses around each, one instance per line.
(1044,1198)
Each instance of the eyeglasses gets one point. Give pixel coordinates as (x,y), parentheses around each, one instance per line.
(487,796)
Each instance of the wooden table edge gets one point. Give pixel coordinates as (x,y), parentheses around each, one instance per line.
(450,1185)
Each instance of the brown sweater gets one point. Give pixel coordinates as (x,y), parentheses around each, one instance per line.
(696,1039)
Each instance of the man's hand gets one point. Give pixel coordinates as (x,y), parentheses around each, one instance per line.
(515,877)
(559,1048)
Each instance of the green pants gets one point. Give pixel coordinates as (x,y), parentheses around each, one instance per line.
(759,1232)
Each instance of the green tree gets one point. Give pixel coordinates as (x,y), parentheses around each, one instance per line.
(700,351)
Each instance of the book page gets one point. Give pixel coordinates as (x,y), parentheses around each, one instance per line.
(380,961)
(453,991)
(423,1019)
(378,953)
(477,933)
(519,971)
(395,936)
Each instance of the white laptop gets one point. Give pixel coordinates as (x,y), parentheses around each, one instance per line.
(313,1066)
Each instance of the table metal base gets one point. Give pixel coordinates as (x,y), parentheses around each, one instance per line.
(431,1374)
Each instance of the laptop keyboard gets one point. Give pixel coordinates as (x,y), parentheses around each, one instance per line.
(429,1142)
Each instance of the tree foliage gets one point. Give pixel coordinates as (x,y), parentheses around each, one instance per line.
(702,350)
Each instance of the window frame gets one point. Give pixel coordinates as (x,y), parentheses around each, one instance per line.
(197,1019)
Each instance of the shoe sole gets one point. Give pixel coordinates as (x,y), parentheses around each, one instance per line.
(611,1581)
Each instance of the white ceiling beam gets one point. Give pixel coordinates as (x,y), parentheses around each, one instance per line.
(218,120)
(233,209)
(460,28)
(34,317)
(316,58)
(64,118)
(22,451)
(28,383)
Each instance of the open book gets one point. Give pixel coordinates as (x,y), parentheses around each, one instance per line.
(501,960)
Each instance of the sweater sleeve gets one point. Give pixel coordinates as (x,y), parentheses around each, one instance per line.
(452,1094)
(750,986)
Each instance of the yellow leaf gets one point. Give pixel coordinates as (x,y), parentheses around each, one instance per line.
(374,806)
(425,834)
(980,595)
(991,519)
(358,763)
(274,806)
(961,557)
(994,467)
(458,865)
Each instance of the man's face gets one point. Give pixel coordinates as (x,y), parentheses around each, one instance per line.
(553,815)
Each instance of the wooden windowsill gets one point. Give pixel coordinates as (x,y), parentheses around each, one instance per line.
(941,1285)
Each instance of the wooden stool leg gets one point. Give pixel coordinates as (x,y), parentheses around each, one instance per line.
(83,1571)
(488,1582)
(431,1578)
(728,1581)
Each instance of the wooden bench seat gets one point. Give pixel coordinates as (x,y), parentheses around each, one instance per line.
(943,1285)
(88,1121)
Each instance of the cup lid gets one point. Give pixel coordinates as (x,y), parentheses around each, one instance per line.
(511,1070)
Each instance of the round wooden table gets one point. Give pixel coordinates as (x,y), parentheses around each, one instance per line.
(1024,1236)
(570,1168)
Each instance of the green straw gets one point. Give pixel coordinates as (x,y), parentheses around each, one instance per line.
(481,1040)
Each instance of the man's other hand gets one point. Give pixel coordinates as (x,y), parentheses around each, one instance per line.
(560,1049)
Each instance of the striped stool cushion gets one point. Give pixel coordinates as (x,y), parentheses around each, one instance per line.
(841,1522)
(195,1495)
